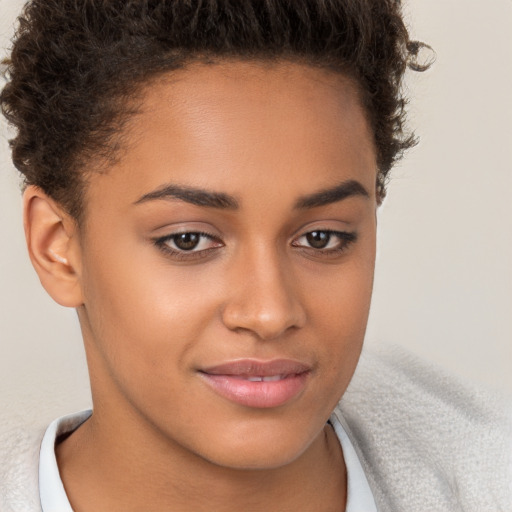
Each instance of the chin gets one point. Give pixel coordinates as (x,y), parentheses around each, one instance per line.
(260,449)
(254,461)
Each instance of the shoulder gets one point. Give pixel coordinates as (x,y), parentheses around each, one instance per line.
(26,414)
(19,455)
(428,442)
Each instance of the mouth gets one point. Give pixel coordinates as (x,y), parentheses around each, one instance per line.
(255,378)
(258,384)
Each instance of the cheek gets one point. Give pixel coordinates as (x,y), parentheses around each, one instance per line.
(343,294)
(141,317)
(145,327)
(339,312)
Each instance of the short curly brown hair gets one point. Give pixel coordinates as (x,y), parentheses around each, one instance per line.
(75,64)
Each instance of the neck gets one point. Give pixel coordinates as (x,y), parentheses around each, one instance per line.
(133,469)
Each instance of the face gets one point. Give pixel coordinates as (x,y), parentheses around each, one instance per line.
(227,261)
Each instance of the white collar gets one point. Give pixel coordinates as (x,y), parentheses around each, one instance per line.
(54,498)
(51,491)
(359,494)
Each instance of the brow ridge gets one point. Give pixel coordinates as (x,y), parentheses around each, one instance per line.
(192,195)
(328,196)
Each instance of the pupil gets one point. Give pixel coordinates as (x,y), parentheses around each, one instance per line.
(187,241)
(318,239)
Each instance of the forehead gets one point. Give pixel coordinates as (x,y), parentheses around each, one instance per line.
(234,126)
(271,95)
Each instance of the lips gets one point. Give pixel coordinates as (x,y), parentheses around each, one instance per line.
(258,384)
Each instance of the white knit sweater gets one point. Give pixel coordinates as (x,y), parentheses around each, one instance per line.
(427,444)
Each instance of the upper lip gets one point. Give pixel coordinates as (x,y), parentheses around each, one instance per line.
(253,367)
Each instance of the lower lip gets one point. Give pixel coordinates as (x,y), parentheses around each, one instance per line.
(259,394)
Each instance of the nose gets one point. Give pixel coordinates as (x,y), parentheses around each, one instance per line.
(264,298)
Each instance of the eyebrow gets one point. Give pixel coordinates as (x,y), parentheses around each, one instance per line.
(328,196)
(220,200)
(193,195)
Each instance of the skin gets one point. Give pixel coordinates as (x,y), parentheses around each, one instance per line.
(267,135)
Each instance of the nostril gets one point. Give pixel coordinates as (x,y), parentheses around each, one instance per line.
(267,322)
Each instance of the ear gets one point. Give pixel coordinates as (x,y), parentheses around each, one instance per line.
(53,246)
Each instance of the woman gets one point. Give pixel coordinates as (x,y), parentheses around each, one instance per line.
(201,186)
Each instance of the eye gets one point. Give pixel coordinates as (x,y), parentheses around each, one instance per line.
(325,241)
(188,244)
(187,241)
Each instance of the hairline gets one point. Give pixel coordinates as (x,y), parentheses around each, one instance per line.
(134,98)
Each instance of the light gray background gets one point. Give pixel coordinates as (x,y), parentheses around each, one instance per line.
(444,275)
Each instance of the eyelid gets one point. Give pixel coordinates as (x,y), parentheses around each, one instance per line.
(187,255)
(345,235)
(346,239)
(176,228)
(164,243)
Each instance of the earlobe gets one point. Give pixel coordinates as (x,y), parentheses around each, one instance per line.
(53,246)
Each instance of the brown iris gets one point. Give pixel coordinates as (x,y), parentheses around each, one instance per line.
(318,239)
(187,241)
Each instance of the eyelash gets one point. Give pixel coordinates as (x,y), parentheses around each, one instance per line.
(181,254)
(345,239)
